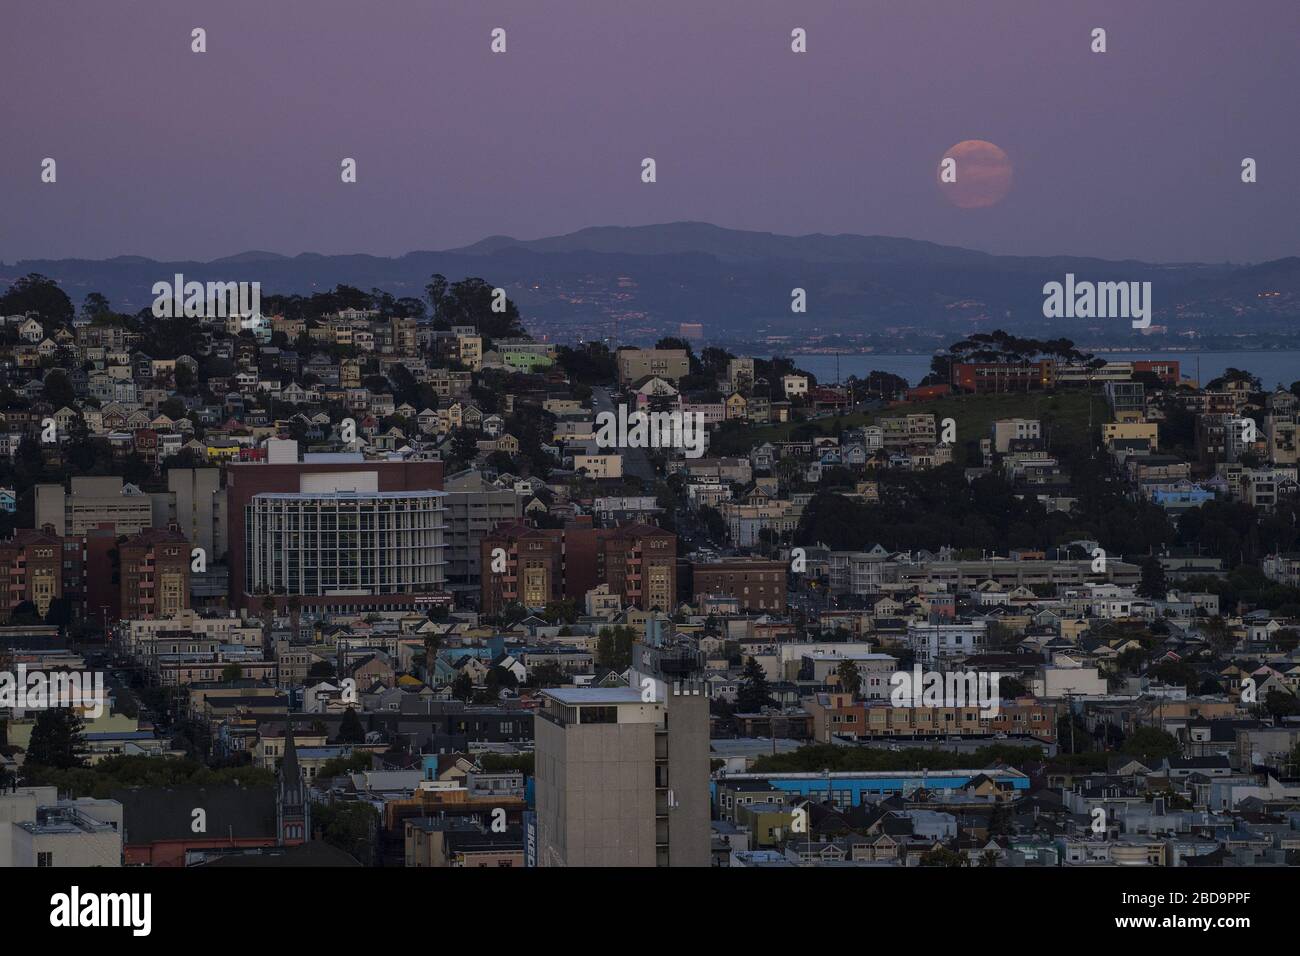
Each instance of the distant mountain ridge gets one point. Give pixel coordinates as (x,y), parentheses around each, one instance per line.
(728,279)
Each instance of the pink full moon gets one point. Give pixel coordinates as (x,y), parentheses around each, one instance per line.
(982,174)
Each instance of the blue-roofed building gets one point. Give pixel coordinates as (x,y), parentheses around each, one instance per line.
(850,788)
(1182,498)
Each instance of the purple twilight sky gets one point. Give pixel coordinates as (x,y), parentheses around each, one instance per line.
(166,153)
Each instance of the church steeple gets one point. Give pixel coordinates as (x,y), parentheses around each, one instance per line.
(292,808)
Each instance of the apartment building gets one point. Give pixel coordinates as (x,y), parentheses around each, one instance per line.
(838,715)
(934,643)
(155,573)
(638,562)
(94,502)
(636,364)
(756,584)
(1007,430)
(34,564)
(473,508)
(618,783)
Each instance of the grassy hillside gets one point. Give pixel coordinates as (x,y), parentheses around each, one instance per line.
(1064,415)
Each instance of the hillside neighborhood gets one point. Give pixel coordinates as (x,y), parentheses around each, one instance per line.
(359,581)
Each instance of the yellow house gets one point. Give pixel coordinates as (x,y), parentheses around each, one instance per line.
(223,451)
(1125,430)
(768,823)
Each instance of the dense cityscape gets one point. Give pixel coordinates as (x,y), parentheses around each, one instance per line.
(355,580)
(445,442)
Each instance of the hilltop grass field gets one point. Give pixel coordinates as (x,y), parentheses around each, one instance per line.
(1064,415)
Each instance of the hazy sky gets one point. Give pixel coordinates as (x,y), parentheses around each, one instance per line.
(166,153)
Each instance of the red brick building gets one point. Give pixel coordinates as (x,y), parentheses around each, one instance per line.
(154,567)
(539,565)
(989,377)
(33,562)
(758,585)
(1167,371)
(87,572)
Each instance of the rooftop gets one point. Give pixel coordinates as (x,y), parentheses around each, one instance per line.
(579,696)
(346,495)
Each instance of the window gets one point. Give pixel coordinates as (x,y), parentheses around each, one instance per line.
(45,859)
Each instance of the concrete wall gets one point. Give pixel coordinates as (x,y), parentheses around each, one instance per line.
(595,794)
(688,778)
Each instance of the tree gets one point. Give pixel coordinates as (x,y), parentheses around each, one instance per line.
(1072,734)
(942,856)
(1151,745)
(351,827)
(497,680)
(512,614)
(614,647)
(1009,688)
(1132,659)
(588,364)
(95,305)
(56,740)
(268,620)
(462,688)
(999,820)
(58,389)
(885,385)
(561,612)
(351,730)
(1219,635)
(356,762)
(1176,672)
(1279,704)
(1153,583)
(548,674)
(850,678)
(470,302)
(464,444)
(754,693)
(432,644)
(231,672)
(35,293)
(59,614)
(715,526)
(29,462)
(1287,639)
(502,763)
(25,612)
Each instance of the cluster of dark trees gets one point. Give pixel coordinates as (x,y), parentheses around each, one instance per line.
(35,293)
(1001,346)
(936,508)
